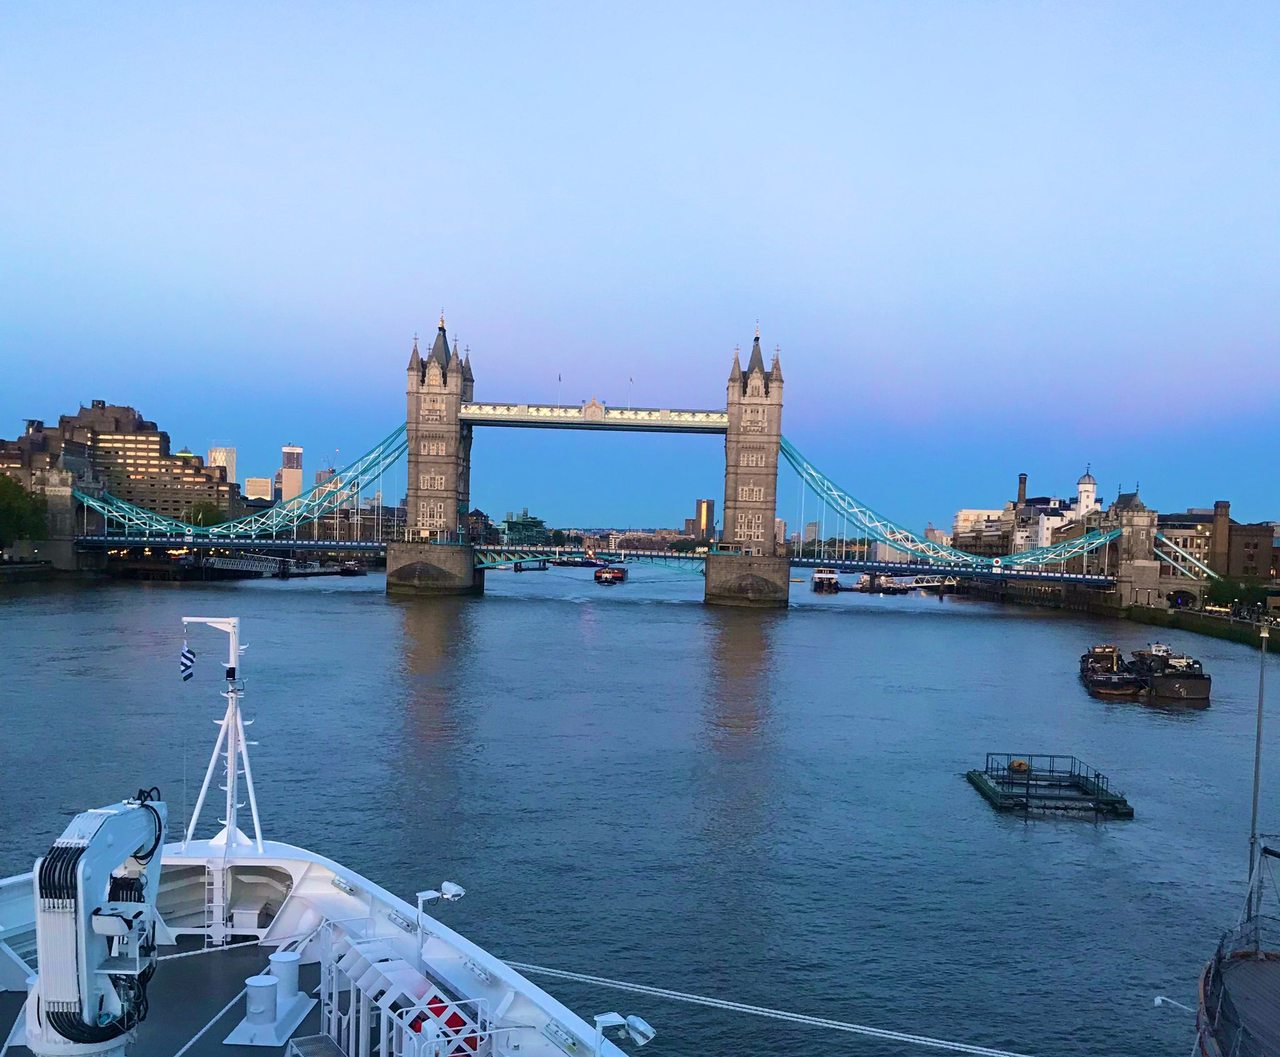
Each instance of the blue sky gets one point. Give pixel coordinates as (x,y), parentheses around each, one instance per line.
(988,237)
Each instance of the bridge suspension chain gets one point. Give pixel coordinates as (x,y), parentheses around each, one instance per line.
(872,524)
(344,486)
(876,527)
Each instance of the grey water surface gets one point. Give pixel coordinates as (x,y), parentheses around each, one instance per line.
(764,807)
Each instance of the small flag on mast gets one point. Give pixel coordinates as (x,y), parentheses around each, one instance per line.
(187,662)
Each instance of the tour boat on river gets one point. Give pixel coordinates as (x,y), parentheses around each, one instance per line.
(611,575)
(121,939)
(825,581)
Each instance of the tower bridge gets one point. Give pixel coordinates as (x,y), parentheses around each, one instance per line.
(442,414)
(431,554)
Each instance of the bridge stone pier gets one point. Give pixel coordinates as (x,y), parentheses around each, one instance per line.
(436,559)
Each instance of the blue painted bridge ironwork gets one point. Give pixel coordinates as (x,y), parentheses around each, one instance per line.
(130,526)
(498,557)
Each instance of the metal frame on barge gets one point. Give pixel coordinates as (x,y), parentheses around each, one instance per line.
(1041,783)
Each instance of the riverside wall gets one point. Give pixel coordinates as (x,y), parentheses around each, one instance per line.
(1096,603)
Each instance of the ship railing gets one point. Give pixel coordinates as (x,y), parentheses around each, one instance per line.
(1253,935)
(463,1025)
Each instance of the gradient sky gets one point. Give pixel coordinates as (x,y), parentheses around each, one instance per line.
(989,237)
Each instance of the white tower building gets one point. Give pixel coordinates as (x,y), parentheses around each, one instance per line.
(1086,494)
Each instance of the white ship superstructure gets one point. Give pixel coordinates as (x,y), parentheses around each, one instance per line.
(241,945)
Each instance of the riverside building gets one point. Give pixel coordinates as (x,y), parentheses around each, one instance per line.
(112,447)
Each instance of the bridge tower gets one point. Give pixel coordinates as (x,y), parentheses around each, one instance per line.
(435,557)
(752,572)
(439,453)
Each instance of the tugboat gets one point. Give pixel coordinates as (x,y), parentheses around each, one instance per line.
(610,575)
(825,582)
(1171,676)
(1105,674)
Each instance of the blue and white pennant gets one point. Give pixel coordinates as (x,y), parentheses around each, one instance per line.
(186,662)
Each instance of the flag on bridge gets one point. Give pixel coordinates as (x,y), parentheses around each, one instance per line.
(186,662)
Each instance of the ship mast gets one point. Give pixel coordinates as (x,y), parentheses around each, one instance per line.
(232,745)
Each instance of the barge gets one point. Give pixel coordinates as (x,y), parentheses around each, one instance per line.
(1047,784)
(1171,676)
(1105,673)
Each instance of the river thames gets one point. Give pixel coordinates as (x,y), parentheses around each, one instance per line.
(763,807)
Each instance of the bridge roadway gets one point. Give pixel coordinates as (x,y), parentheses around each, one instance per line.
(494,556)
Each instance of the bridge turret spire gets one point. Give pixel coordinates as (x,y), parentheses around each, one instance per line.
(756,362)
(415,361)
(735,372)
(440,347)
(775,369)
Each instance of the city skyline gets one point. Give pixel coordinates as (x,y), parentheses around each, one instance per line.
(600,459)
(988,242)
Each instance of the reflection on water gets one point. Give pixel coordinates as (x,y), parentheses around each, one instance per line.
(740,656)
(437,633)
(765,806)
(739,785)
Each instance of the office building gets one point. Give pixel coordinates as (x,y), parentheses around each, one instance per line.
(525,530)
(226,458)
(704,519)
(131,457)
(258,488)
(290,473)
